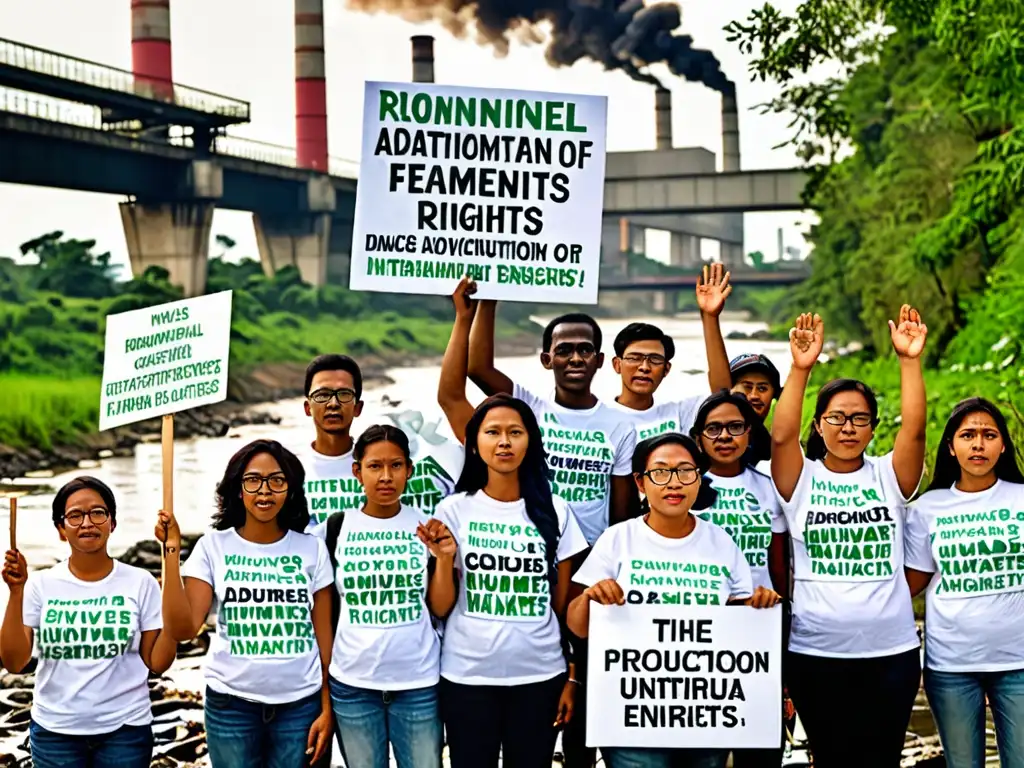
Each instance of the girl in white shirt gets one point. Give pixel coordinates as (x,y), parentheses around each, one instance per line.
(964,546)
(267,701)
(854,662)
(98,627)
(668,470)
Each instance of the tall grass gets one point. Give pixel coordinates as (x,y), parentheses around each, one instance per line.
(43,411)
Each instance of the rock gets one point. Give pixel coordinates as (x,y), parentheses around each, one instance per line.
(7,452)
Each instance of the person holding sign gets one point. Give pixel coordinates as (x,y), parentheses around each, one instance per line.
(643,358)
(267,700)
(504,688)
(963,545)
(854,664)
(98,628)
(386,659)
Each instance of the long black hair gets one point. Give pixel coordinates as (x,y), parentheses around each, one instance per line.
(759,447)
(82,483)
(815,442)
(534,474)
(947,468)
(706,495)
(294,514)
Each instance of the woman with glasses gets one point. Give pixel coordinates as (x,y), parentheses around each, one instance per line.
(98,628)
(854,662)
(668,470)
(267,700)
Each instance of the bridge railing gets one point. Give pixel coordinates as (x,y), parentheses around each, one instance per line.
(45,108)
(44,62)
(263,152)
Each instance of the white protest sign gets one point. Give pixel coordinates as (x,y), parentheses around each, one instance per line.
(507,186)
(680,677)
(165,359)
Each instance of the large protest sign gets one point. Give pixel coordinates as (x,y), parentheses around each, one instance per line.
(506,186)
(684,677)
(165,359)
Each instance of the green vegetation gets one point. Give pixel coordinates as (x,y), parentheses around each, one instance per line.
(929,96)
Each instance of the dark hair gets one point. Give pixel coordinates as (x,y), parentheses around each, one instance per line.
(534,475)
(335,363)
(572,317)
(82,483)
(816,450)
(381,433)
(635,332)
(760,445)
(294,514)
(947,468)
(706,495)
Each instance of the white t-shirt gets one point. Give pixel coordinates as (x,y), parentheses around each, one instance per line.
(265,649)
(747,508)
(436,469)
(502,629)
(850,597)
(975,602)
(661,418)
(330,486)
(585,448)
(704,568)
(91,679)
(385,639)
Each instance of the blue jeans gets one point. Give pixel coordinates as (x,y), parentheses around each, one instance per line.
(130,746)
(635,757)
(368,720)
(957,700)
(248,734)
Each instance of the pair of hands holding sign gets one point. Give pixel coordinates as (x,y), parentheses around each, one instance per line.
(608,592)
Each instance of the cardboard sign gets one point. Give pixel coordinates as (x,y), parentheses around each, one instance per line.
(507,186)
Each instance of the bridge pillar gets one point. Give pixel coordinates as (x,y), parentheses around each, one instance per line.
(300,241)
(684,250)
(659,302)
(732,255)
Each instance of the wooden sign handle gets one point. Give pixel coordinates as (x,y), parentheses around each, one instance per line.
(167,446)
(14,522)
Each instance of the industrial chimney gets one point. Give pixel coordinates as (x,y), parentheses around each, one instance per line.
(310,86)
(151,48)
(422,59)
(663,117)
(730,133)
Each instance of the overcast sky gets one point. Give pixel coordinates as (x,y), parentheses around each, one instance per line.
(244,49)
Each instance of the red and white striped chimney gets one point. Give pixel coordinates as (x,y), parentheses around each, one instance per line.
(730,133)
(422,59)
(663,117)
(310,86)
(151,47)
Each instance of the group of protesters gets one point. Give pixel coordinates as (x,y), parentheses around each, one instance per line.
(348,609)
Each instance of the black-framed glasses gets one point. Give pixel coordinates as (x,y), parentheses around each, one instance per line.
(75,518)
(687,474)
(714,429)
(837,419)
(324,396)
(638,358)
(276,483)
(584,349)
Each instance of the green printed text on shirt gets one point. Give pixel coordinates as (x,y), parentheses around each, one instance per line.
(674,582)
(849,533)
(739,512)
(581,460)
(979,553)
(506,572)
(383,577)
(93,628)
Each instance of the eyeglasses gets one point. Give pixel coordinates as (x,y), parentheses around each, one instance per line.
(637,358)
(277,483)
(97,517)
(714,429)
(584,349)
(687,474)
(324,396)
(840,419)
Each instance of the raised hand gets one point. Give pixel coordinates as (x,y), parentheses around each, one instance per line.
(167,531)
(606,592)
(908,338)
(15,572)
(806,338)
(713,289)
(465,305)
(437,538)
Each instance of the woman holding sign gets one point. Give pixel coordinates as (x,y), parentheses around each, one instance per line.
(963,544)
(98,627)
(669,471)
(267,701)
(854,665)
(386,660)
(504,688)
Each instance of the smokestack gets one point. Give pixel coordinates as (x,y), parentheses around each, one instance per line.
(730,132)
(663,117)
(310,86)
(151,47)
(422,59)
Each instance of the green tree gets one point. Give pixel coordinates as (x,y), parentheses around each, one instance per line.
(70,267)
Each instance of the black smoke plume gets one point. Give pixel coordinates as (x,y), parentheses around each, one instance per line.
(619,35)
